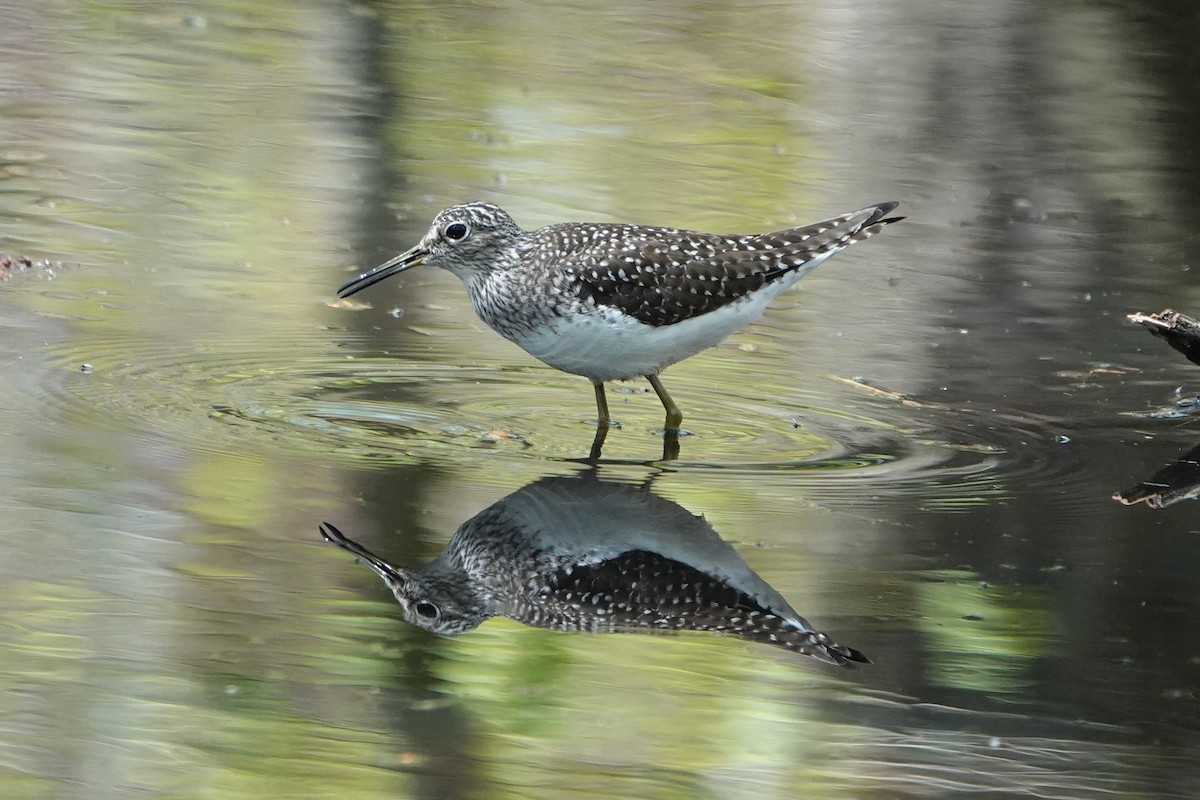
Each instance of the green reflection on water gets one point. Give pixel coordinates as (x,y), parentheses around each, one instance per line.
(618,132)
(984,637)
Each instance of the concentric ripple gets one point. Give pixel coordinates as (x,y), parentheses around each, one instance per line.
(372,411)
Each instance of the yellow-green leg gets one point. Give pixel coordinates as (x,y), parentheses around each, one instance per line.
(603,420)
(674,415)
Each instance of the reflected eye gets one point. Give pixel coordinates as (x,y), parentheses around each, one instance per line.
(425,609)
(456,231)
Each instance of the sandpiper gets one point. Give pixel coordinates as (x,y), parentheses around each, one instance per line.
(615,302)
(581,554)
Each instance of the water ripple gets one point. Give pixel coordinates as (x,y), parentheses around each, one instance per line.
(376,411)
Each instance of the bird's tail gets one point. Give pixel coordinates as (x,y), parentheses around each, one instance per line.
(875,220)
(783,632)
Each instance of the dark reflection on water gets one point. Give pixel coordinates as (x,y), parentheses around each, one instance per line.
(580,554)
(206,171)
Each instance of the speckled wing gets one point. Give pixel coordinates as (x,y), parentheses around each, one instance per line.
(640,590)
(665,276)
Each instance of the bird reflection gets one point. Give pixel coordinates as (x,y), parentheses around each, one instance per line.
(581,554)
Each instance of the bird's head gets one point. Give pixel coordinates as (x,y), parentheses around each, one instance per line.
(468,240)
(435,599)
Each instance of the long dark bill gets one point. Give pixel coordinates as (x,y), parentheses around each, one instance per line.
(390,574)
(387,269)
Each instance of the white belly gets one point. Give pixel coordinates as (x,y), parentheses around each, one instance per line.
(605,346)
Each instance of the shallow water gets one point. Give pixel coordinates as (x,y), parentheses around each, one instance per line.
(917,448)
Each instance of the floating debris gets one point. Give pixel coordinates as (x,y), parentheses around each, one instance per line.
(10,265)
(886,394)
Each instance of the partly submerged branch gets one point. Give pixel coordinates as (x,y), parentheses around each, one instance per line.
(1179,330)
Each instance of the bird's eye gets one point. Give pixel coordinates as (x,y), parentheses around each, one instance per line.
(425,609)
(456,231)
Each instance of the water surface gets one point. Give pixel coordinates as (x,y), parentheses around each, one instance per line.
(185,400)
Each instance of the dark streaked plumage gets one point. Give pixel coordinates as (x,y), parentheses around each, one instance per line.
(672,275)
(580,554)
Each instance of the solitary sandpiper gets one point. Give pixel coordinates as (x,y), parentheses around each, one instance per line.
(614,302)
(581,554)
